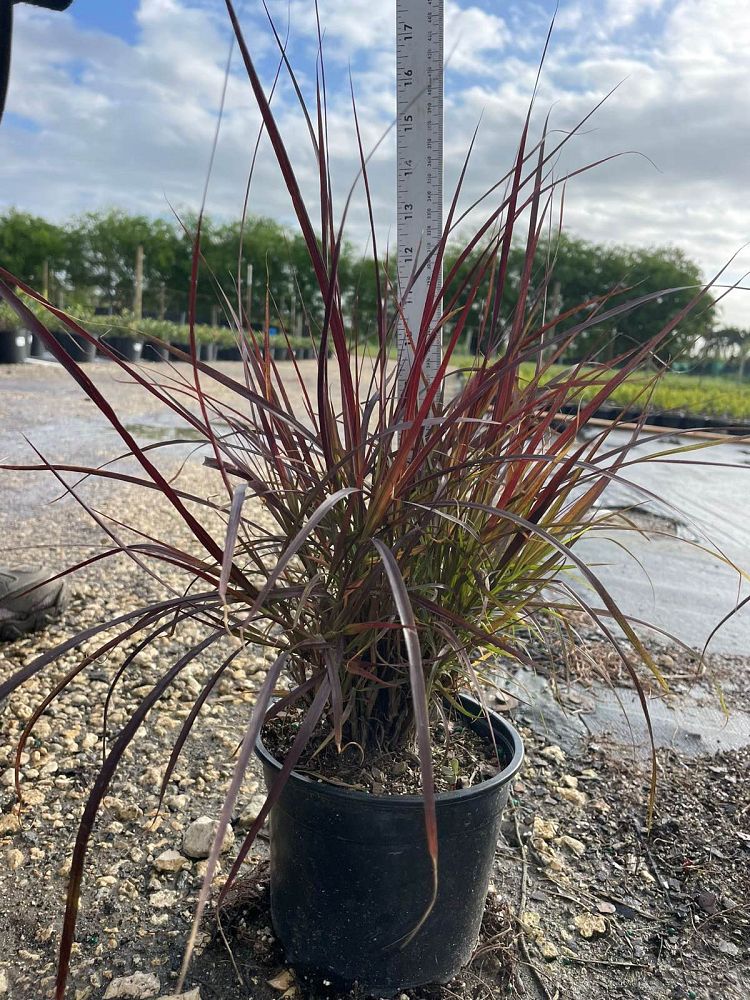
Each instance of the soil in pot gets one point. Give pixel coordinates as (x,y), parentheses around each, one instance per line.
(14,347)
(350,872)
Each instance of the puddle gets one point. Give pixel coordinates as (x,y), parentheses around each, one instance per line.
(158,432)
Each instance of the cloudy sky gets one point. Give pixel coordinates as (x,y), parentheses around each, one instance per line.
(114,104)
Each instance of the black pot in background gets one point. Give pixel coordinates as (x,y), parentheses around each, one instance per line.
(80,349)
(208,352)
(14,347)
(153,352)
(281,354)
(350,875)
(128,348)
(38,348)
(228,353)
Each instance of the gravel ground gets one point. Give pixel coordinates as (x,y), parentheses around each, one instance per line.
(584,902)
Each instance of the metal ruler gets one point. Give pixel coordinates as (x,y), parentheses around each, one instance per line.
(419,156)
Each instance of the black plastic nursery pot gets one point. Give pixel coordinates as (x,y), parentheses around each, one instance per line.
(127,348)
(80,349)
(37,349)
(281,354)
(14,347)
(351,877)
(209,351)
(228,353)
(153,352)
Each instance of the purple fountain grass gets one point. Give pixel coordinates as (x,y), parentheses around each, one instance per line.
(402,533)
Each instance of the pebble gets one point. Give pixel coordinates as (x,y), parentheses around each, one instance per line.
(199,837)
(169,861)
(572,795)
(4,984)
(544,829)
(9,823)
(163,899)
(251,812)
(139,986)
(575,846)
(554,753)
(194,994)
(14,859)
(589,924)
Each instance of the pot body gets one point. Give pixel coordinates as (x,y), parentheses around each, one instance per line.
(208,351)
(77,347)
(153,352)
(280,353)
(127,348)
(37,349)
(351,876)
(14,347)
(229,353)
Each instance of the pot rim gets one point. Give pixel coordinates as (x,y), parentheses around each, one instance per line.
(502,777)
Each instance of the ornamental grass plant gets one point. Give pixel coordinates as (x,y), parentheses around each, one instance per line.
(383,544)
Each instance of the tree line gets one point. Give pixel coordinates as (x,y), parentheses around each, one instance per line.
(90,261)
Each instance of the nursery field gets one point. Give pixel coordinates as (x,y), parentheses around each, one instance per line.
(579,893)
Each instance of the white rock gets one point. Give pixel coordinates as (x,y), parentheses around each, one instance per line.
(14,859)
(163,899)
(251,811)
(191,995)
(4,984)
(169,861)
(199,837)
(139,986)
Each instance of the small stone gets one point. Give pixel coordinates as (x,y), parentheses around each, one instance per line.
(569,780)
(283,981)
(126,812)
(572,795)
(251,812)
(544,829)
(194,994)
(554,753)
(727,948)
(164,899)
(575,846)
(605,907)
(14,859)
(4,984)
(199,837)
(169,861)
(707,902)
(548,949)
(9,823)
(589,924)
(139,986)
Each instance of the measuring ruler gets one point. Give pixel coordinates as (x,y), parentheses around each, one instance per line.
(419,164)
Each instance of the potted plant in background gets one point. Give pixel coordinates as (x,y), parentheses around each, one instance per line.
(121,335)
(404,538)
(14,339)
(162,331)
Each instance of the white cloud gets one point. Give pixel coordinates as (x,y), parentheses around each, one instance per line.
(131,125)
